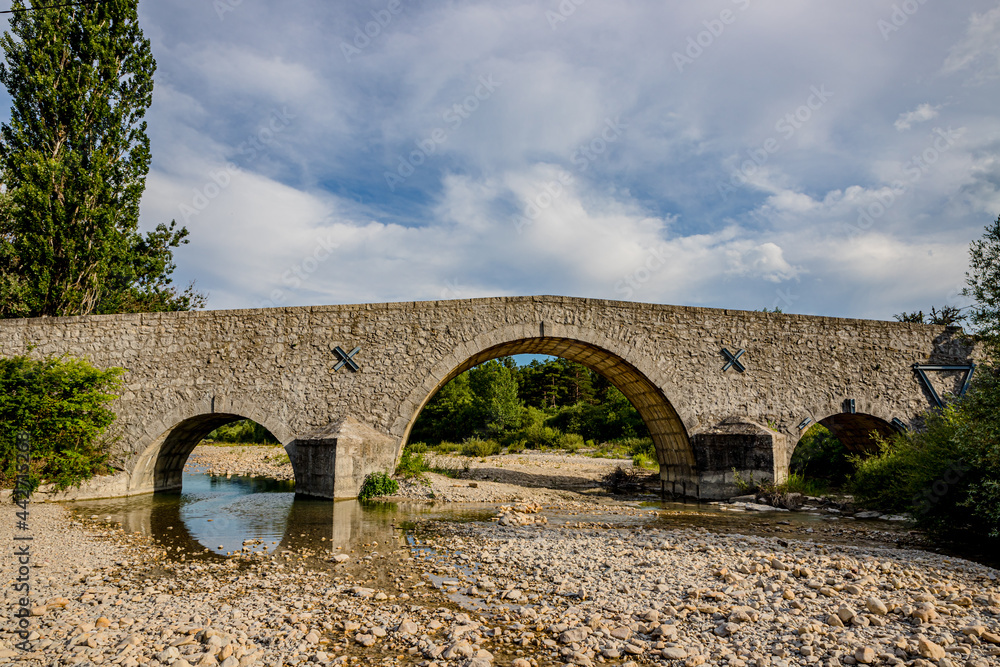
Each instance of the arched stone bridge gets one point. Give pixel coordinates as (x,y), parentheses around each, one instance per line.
(285,368)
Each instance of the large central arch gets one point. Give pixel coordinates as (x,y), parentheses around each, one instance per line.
(593,350)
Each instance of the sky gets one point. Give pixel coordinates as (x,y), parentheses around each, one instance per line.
(827,158)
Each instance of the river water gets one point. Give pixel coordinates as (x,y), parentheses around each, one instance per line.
(215,517)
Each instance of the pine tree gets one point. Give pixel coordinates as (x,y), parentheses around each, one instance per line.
(73,161)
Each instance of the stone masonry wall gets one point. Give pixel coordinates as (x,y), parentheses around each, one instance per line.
(275,366)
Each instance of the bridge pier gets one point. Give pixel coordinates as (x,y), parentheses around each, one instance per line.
(733,446)
(333,462)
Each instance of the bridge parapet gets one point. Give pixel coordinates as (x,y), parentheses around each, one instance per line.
(188,372)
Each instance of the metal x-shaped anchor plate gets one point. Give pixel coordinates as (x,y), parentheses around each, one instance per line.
(345,358)
(733,360)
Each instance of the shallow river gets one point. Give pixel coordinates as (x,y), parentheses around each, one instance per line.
(217,516)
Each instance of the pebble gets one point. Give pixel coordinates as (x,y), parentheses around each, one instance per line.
(865,655)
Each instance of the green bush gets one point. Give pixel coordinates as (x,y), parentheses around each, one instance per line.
(515,447)
(644,461)
(642,446)
(882,480)
(417,448)
(377,484)
(806,486)
(62,404)
(446,447)
(479,447)
(947,475)
(570,441)
(534,433)
(411,464)
(643,452)
(821,456)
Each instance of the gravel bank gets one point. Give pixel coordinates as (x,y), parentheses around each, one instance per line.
(252,460)
(516,591)
(530,477)
(536,477)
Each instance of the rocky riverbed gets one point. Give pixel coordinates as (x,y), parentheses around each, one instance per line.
(558,577)
(515,591)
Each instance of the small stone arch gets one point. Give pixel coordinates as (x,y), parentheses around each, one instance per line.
(854,430)
(165,445)
(635,377)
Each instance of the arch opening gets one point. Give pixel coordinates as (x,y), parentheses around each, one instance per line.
(854,430)
(161,466)
(820,457)
(667,430)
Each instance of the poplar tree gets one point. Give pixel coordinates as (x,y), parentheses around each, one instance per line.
(73,161)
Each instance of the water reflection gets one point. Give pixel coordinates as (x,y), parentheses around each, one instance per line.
(216,516)
(223,515)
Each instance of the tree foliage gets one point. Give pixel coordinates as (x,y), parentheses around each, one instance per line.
(947,475)
(983,285)
(543,404)
(819,455)
(947,316)
(243,431)
(63,406)
(495,390)
(73,162)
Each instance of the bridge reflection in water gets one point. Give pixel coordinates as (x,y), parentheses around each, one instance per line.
(218,514)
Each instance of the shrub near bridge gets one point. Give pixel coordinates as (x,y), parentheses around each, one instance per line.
(947,475)
(377,484)
(62,404)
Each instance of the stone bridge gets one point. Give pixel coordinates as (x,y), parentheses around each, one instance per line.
(341,386)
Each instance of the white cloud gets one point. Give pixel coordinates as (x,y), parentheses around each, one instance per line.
(642,217)
(764,261)
(921,114)
(979,49)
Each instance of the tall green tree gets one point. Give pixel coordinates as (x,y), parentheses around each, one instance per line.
(449,415)
(983,285)
(73,161)
(495,388)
